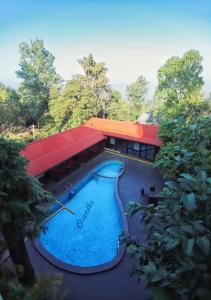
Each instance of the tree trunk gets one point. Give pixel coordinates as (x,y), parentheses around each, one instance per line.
(18,252)
(103,110)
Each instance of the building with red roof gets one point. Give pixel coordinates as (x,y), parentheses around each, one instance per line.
(65,151)
(129,137)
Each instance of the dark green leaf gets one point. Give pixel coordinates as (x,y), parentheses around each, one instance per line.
(172,244)
(172,185)
(188,248)
(5,216)
(185,185)
(150,268)
(187,229)
(159,294)
(189,201)
(204,244)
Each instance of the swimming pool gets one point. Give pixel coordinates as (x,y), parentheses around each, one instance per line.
(87,240)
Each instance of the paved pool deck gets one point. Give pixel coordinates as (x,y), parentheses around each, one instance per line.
(116,283)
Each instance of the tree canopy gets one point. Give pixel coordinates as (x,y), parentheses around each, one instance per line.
(175,258)
(84,96)
(136,95)
(39,77)
(137,90)
(21,196)
(180,77)
(74,106)
(97,82)
(10,107)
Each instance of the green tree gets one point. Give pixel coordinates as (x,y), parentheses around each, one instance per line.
(74,106)
(208,100)
(21,197)
(179,90)
(136,95)
(10,107)
(115,95)
(97,82)
(45,287)
(184,145)
(83,97)
(180,77)
(118,109)
(39,78)
(136,91)
(175,259)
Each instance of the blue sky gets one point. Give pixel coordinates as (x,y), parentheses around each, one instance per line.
(131,37)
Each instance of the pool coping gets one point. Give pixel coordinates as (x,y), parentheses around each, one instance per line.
(95,269)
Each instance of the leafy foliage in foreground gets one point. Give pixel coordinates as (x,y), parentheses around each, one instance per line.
(20,193)
(186,145)
(177,254)
(44,288)
(21,211)
(175,259)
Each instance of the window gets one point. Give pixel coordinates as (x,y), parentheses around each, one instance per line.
(136,146)
(150,152)
(112,141)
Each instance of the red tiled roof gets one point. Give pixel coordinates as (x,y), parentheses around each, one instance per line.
(144,133)
(46,153)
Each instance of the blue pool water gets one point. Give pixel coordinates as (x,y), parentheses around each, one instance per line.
(90,237)
(110,170)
